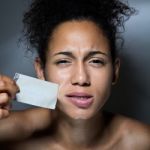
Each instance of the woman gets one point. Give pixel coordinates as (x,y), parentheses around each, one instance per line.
(75,41)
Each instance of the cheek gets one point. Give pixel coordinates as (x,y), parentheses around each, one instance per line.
(60,77)
(103,82)
(56,75)
(104,79)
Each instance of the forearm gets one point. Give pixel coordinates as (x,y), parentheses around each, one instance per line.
(22,124)
(14,127)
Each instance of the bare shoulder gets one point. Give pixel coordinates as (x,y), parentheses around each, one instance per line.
(134,133)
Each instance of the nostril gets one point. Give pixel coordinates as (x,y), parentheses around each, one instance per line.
(81,84)
(86,84)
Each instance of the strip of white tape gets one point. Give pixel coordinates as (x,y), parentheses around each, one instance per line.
(36,92)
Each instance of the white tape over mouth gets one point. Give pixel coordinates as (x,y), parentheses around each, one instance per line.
(36,92)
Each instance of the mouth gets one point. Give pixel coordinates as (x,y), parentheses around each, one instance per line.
(80,100)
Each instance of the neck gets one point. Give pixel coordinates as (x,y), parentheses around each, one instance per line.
(80,132)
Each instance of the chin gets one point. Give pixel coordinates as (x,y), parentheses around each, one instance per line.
(78,113)
(81,114)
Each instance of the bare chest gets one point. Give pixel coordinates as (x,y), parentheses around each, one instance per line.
(50,144)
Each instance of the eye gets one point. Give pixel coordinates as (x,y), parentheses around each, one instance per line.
(63,62)
(97,62)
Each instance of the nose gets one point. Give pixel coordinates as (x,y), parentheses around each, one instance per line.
(80,76)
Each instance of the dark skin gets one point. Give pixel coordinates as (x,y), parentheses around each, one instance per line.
(81,126)
(129,140)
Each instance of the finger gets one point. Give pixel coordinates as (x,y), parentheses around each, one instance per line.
(8,85)
(5,102)
(4,98)
(8,106)
(4,113)
(6,79)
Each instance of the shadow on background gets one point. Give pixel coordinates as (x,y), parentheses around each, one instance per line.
(127,92)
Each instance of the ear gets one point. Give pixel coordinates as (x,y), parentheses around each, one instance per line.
(39,68)
(116,67)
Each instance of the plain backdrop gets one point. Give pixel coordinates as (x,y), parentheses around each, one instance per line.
(131,96)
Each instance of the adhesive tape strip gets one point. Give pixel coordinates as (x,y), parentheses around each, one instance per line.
(36,92)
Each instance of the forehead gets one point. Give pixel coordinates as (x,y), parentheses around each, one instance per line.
(78,35)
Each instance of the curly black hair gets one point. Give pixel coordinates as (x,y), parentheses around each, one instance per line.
(44,16)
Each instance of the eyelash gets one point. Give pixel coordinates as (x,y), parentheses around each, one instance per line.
(96,62)
(62,62)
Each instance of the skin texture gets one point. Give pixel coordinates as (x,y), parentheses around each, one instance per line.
(80,70)
(8,89)
(79,60)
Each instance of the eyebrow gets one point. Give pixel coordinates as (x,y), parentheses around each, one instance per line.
(89,54)
(67,53)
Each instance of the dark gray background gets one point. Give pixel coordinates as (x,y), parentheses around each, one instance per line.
(131,96)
